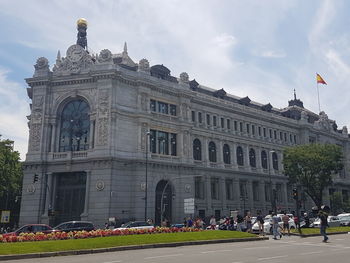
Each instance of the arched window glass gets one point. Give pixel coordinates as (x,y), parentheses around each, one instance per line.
(212,152)
(264,159)
(240,159)
(75,126)
(226,154)
(274,161)
(197,150)
(252,159)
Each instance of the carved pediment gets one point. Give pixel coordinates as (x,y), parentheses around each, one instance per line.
(245,101)
(267,107)
(221,93)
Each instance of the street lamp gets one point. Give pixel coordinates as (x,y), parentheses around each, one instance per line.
(148,134)
(272,196)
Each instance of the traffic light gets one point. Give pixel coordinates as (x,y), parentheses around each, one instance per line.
(35,178)
(295,193)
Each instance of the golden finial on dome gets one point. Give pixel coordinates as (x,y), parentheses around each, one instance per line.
(82,22)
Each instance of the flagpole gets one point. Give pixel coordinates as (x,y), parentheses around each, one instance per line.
(318,96)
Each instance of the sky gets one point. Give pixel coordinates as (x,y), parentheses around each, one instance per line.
(263,49)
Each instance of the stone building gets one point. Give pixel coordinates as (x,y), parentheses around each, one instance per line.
(103,127)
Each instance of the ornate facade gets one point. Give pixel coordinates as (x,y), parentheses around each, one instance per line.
(103,129)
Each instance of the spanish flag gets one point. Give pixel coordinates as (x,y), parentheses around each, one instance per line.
(319,79)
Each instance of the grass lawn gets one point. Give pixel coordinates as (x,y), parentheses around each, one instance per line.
(115,241)
(307,231)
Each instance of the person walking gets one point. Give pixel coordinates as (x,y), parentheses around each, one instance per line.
(240,222)
(275,220)
(285,220)
(260,221)
(323,215)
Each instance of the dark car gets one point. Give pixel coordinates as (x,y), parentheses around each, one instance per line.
(75,226)
(30,228)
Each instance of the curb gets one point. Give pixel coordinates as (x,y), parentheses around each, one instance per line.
(123,248)
(317,235)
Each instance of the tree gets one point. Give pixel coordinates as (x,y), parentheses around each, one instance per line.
(336,203)
(10,178)
(312,166)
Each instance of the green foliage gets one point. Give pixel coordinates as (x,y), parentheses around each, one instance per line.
(10,177)
(116,241)
(312,167)
(316,230)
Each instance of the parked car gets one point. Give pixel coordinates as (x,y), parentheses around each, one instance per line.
(178,225)
(344,220)
(268,224)
(333,221)
(30,228)
(135,225)
(74,226)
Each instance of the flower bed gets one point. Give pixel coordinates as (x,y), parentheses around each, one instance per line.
(90,234)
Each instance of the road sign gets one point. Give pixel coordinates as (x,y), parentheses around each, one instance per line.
(189,205)
(5,216)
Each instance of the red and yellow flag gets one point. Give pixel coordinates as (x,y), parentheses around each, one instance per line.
(319,79)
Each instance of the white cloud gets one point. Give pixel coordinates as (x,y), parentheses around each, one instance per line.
(273,54)
(13,112)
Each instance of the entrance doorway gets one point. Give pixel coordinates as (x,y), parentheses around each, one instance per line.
(70,196)
(164,199)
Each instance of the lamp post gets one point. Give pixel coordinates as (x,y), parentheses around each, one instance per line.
(272,196)
(148,134)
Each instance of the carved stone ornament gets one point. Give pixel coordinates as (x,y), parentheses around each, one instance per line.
(77,60)
(187,188)
(184,78)
(31,189)
(102,131)
(323,123)
(41,67)
(35,134)
(143,186)
(100,185)
(105,56)
(303,116)
(144,65)
(344,130)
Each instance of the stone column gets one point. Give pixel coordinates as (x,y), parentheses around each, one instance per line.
(234,155)
(48,195)
(262,192)
(223,194)
(258,159)
(249,200)
(208,194)
(85,213)
(285,195)
(236,194)
(220,154)
(53,137)
(246,157)
(205,151)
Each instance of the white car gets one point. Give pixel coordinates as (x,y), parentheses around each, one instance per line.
(268,224)
(135,225)
(333,221)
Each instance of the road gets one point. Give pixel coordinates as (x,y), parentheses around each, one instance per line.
(288,249)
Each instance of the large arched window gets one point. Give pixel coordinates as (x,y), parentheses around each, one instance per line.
(239,153)
(274,161)
(226,154)
(212,152)
(252,159)
(263,159)
(197,150)
(75,126)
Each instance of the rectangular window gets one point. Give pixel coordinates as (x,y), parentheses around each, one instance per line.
(208,119)
(241,127)
(214,186)
(248,128)
(222,123)
(281,136)
(228,124)
(173,144)
(199,117)
(279,193)
(153,105)
(198,188)
(253,129)
(295,139)
(172,110)
(193,116)
(229,189)
(163,107)
(153,141)
(259,131)
(256,191)
(290,138)
(163,142)
(275,135)
(270,133)
(285,137)
(243,190)
(264,131)
(235,125)
(214,120)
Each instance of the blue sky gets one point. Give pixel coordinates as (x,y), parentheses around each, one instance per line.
(262,49)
